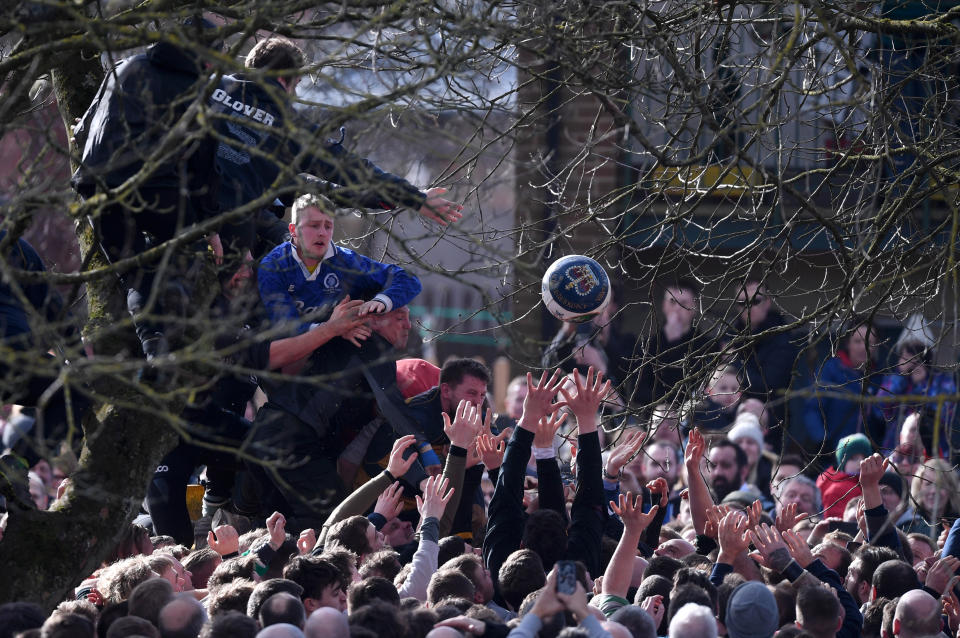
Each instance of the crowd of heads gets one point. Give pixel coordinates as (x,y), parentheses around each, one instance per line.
(701,518)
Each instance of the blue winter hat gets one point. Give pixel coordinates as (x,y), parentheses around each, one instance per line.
(752,612)
(851,446)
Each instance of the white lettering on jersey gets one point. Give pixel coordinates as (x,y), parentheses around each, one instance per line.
(219,95)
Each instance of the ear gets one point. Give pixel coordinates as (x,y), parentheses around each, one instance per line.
(863,589)
(292,228)
(896,626)
(873,594)
(311,605)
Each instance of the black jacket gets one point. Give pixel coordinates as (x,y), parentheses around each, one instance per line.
(138,104)
(251,114)
(507,517)
(16,330)
(672,368)
(768,360)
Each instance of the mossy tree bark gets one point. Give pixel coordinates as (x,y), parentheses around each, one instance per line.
(47,553)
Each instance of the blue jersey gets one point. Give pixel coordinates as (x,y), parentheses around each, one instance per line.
(291,293)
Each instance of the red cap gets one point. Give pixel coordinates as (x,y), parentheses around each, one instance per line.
(415,376)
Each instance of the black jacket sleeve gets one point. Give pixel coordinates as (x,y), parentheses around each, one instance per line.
(853,620)
(589,513)
(506,514)
(358,177)
(550,487)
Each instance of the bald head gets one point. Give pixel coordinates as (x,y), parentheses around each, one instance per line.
(327,622)
(182,616)
(917,615)
(444,632)
(280,630)
(394,326)
(615,629)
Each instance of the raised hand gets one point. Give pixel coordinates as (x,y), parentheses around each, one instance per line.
(371,308)
(659,486)
(276,528)
(623,452)
(788,517)
(307,541)
(345,318)
(546,429)
(586,403)
(576,603)
(654,606)
(951,607)
(630,511)
(466,425)
(224,540)
(435,497)
(440,210)
(358,334)
(465,624)
(798,548)
(390,502)
(733,536)
(754,512)
(492,449)
(715,514)
(696,447)
(771,552)
(547,603)
(539,400)
(941,573)
(397,465)
(872,468)
(944,535)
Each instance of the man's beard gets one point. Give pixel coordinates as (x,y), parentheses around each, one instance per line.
(722,487)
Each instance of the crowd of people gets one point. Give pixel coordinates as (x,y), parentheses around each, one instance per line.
(380,494)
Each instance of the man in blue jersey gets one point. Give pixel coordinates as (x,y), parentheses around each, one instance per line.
(296,431)
(303,279)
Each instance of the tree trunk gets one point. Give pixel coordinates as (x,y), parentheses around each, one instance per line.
(46,554)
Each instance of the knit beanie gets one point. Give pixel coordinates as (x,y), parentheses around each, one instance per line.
(893,481)
(746,425)
(752,612)
(851,446)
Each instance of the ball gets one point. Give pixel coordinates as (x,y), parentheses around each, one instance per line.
(575,288)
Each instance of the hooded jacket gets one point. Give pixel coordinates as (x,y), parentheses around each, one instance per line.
(139,104)
(262,136)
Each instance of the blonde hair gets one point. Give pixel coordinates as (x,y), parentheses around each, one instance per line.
(117,581)
(311,200)
(945,477)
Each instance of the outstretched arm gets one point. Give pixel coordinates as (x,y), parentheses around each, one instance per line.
(506,514)
(462,432)
(589,512)
(700,499)
(880,529)
(363,498)
(549,480)
(616,580)
(344,320)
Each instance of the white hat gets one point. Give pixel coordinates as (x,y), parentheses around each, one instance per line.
(746,424)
